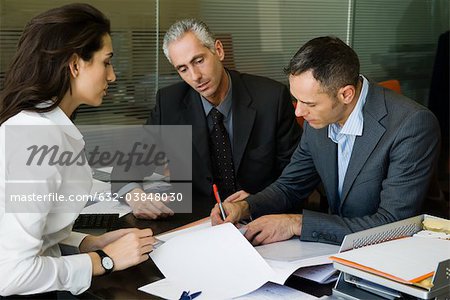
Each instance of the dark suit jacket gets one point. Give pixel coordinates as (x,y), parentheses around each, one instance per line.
(265,132)
(387,179)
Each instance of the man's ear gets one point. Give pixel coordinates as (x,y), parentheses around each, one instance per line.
(74,65)
(347,93)
(218,46)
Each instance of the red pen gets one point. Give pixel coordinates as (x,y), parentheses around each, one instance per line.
(217,196)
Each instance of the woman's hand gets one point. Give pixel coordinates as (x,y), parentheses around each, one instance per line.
(128,250)
(91,242)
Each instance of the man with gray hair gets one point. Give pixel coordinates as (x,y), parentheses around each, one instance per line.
(244,129)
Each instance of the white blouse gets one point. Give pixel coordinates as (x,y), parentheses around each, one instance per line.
(38,204)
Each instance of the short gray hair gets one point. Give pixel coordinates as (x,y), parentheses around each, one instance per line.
(180,28)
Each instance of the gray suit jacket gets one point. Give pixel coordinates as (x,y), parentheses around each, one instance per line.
(387,179)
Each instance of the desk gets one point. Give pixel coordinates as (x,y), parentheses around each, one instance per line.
(124,284)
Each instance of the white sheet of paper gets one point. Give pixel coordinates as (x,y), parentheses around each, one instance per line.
(307,253)
(156,177)
(166,289)
(214,256)
(106,169)
(284,269)
(407,258)
(107,207)
(207,223)
(167,236)
(100,186)
(294,249)
(269,291)
(156,186)
(102,191)
(273,291)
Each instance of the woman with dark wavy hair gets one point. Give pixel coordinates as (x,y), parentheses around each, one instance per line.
(63,60)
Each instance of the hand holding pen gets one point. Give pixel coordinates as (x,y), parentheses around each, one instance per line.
(219,202)
(236,208)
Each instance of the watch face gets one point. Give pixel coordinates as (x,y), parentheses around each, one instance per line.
(107,263)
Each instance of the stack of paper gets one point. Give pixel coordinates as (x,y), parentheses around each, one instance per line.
(408,260)
(221,263)
(288,256)
(217,261)
(321,274)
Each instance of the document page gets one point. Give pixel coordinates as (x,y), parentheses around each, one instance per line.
(169,235)
(270,291)
(273,291)
(104,202)
(212,260)
(294,249)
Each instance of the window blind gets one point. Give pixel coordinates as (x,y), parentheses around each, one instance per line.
(394,39)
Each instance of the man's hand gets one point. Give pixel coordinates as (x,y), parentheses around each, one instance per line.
(273,228)
(234,207)
(145,207)
(238,196)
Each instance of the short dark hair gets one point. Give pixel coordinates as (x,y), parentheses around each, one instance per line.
(332,62)
(40,67)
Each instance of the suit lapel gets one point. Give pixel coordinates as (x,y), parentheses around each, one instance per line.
(243,118)
(195,115)
(374,110)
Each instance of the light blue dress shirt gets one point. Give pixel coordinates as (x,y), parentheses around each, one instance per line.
(345,136)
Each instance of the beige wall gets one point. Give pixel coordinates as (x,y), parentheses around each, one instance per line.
(123,14)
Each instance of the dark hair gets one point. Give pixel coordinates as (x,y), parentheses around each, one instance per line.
(332,62)
(40,68)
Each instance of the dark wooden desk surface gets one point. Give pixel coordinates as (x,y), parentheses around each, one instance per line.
(124,284)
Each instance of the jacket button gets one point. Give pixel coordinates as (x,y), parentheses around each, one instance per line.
(314,234)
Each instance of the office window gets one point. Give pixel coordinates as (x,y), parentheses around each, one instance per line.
(393,39)
(398,39)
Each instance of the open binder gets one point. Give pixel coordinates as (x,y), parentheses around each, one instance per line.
(356,283)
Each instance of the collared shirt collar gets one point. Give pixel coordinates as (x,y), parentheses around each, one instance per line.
(224,107)
(58,117)
(355,122)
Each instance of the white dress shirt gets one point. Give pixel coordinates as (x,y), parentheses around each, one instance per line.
(30,258)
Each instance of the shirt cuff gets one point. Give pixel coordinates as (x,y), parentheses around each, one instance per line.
(80,270)
(74,239)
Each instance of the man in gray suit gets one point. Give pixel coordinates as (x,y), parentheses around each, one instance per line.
(373,150)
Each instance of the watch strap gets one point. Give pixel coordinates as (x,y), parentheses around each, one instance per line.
(102,255)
